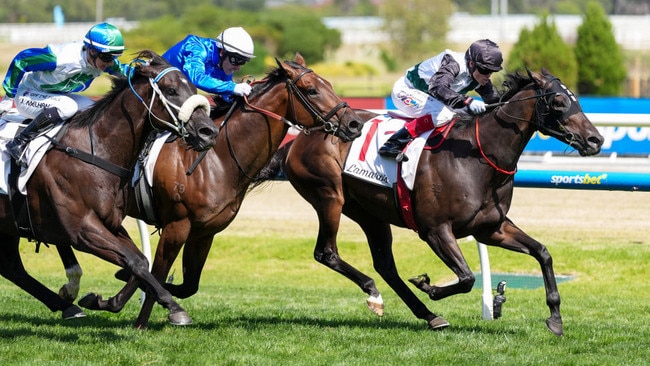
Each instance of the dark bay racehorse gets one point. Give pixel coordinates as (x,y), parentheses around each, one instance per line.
(462,188)
(79,192)
(193,208)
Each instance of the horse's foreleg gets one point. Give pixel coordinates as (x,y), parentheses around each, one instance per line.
(326,252)
(11,268)
(442,241)
(194,256)
(73,272)
(119,249)
(172,238)
(509,236)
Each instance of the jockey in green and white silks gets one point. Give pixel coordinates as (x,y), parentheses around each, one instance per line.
(42,82)
(38,78)
(436,86)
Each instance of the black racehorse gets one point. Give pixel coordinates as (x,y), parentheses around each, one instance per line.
(463,187)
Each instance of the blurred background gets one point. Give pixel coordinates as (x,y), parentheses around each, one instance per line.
(597,47)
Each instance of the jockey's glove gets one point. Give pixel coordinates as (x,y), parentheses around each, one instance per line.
(242,89)
(476,106)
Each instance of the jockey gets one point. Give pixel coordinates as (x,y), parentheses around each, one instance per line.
(209,63)
(41,82)
(437,85)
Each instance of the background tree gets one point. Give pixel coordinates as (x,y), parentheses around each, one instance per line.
(417,28)
(543,47)
(601,68)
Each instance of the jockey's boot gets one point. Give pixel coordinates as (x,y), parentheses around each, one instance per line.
(16,147)
(395,144)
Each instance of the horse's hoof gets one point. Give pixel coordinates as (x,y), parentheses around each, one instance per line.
(73,312)
(438,323)
(65,294)
(180,318)
(418,281)
(376,305)
(90,301)
(555,326)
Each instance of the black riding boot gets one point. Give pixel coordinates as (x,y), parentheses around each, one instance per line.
(16,147)
(393,147)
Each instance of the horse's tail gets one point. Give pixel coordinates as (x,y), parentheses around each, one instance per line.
(275,169)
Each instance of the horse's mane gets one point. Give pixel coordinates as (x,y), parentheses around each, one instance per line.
(137,69)
(276,75)
(512,84)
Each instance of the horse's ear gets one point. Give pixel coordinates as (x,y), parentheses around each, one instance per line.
(278,62)
(539,79)
(300,60)
(530,73)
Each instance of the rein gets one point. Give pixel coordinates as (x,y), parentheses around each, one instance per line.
(292,90)
(184,113)
(537,96)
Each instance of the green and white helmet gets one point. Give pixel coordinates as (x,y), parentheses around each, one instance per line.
(236,40)
(105,38)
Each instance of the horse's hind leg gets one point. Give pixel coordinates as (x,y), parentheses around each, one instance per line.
(11,268)
(73,272)
(123,252)
(509,236)
(326,253)
(380,241)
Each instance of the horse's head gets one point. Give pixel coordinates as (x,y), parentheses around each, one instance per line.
(559,114)
(174,103)
(314,103)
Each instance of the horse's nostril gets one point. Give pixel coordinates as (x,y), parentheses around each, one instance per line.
(209,132)
(596,140)
(355,125)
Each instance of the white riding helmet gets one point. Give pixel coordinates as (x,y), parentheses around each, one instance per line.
(236,40)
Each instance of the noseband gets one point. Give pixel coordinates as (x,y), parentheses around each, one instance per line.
(326,125)
(184,111)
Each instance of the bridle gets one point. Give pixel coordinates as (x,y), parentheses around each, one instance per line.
(324,120)
(543,107)
(181,118)
(178,126)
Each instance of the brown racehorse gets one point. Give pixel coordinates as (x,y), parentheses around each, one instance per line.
(79,192)
(462,188)
(193,208)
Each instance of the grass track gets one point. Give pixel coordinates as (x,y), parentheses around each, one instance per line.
(264,301)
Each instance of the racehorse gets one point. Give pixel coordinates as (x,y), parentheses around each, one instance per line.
(193,208)
(78,193)
(463,187)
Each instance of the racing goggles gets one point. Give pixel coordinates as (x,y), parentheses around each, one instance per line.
(236,60)
(483,70)
(106,57)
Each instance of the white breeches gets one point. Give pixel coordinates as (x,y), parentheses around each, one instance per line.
(416,103)
(30,102)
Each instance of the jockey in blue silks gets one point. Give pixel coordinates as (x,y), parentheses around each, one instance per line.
(209,63)
(41,82)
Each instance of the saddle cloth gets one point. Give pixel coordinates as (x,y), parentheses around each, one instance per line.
(36,149)
(363,161)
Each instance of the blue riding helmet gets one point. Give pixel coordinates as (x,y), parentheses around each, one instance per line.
(105,38)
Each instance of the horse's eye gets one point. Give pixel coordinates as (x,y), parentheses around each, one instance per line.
(312,92)
(171,91)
